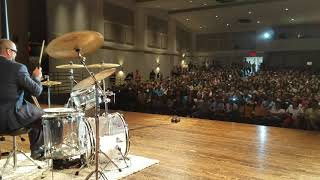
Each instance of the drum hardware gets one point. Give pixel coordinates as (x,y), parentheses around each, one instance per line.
(75,45)
(89,81)
(85,99)
(93,80)
(111,93)
(49,84)
(103,65)
(71,67)
(123,157)
(114,136)
(64,46)
(64,133)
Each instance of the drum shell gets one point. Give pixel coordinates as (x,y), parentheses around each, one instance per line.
(113,133)
(85,99)
(64,134)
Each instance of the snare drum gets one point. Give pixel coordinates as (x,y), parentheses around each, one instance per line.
(65,133)
(114,135)
(86,98)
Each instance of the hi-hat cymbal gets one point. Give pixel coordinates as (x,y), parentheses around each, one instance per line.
(88,82)
(51,83)
(103,65)
(70,66)
(66,45)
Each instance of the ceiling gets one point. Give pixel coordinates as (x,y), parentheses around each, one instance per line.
(208,16)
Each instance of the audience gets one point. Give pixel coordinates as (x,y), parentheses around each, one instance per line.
(277,97)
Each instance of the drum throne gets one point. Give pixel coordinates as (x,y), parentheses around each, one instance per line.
(13,153)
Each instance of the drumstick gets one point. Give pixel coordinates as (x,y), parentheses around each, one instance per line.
(41,53)
(35,101)
(34,98)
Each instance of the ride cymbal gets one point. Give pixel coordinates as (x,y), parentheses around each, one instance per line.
(66,46)
(70,66)
(103,65)
(88,82)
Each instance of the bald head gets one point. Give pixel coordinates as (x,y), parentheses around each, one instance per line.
(8,49)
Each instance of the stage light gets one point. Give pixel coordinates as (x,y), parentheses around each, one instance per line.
(266,35)
(121,73)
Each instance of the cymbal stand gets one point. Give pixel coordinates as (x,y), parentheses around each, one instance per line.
(104,94)
(49,95)
(72,81)
(97,172)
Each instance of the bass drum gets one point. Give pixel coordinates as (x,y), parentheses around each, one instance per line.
(113,133)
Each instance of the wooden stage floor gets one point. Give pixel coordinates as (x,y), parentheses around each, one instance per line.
(206,149)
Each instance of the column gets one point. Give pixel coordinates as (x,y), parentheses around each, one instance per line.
(172,35)
(140,28)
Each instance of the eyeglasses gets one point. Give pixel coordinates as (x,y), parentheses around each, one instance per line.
(13,50)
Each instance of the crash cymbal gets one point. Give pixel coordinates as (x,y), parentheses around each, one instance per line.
(88,82)
(66,45)
(103,65)
(70,66)
(50,83)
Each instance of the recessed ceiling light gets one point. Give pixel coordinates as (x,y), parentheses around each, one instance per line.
(217,16)
(205,4)
(200,27)
(292,19)
(228,24)
(250,12)
(187,19)
(286,9)
(190,1)
(267,35)
(258,22)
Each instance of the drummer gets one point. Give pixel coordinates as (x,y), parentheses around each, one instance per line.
(15,111)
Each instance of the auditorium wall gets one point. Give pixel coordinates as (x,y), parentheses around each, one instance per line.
(18,26)
(291,45)
(293,59)
(226,41)
(132,52)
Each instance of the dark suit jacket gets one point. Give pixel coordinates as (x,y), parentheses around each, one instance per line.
(15,112)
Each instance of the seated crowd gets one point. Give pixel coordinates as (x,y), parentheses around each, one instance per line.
(275,97)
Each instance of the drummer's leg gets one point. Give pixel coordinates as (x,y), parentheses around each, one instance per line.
(36,139)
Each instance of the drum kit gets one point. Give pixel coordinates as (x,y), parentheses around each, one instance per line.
(68,133)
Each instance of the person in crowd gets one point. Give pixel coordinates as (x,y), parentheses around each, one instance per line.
(152,75)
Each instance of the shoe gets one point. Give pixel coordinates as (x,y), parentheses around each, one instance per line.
(37,155)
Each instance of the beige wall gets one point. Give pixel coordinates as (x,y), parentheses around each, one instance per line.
(66,16)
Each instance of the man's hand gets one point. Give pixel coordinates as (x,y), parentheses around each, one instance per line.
(37,72)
